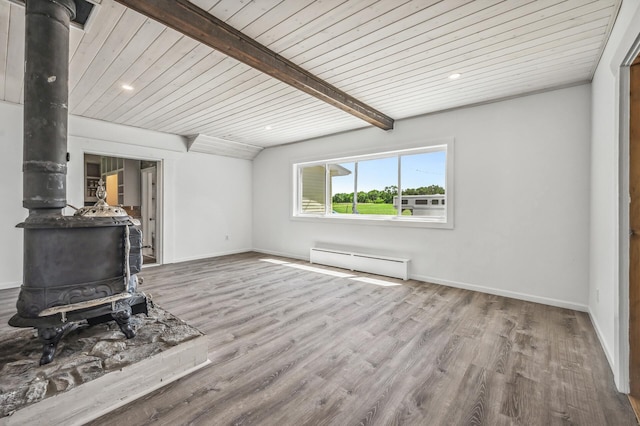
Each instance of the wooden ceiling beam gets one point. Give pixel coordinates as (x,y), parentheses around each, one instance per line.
(190,20)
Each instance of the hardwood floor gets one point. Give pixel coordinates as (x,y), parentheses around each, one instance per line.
(292,346)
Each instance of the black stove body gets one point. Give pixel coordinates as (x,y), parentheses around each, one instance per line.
(80,267)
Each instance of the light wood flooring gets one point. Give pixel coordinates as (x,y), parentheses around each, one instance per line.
(292,346)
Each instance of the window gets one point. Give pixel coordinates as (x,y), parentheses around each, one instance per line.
(409,186)
(342,187)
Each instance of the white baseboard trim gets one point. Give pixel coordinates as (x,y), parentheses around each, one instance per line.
(466,286)
(607,351)
(280,254)
(4,286)
(209,255)
(505,293)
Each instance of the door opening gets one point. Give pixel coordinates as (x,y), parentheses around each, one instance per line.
(634,235)
(132,184)
(149,176)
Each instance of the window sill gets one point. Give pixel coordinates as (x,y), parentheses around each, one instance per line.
(369,220)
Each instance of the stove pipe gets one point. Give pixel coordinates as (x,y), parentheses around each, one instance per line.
(46,94)
(80,267)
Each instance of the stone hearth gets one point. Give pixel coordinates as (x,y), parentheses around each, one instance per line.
(96,369)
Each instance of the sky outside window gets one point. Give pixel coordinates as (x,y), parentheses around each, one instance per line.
(417,170)
(377,174)
(423,170)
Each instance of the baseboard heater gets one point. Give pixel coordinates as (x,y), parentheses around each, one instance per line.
(355,261)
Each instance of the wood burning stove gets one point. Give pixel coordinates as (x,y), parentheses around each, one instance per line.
(80,267)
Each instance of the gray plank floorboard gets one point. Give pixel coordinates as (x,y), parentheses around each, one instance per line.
(291,346)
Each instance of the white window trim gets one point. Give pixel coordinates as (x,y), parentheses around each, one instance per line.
(402,221)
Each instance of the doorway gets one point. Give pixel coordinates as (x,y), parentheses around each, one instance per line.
(133,185)
(634,235)
(148,193)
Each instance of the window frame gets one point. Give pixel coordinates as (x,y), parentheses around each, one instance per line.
(446,145)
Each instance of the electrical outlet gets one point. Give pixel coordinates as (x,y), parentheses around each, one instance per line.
(226,238)
(598,295)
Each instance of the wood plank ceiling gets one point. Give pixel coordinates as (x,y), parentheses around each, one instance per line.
(394,55)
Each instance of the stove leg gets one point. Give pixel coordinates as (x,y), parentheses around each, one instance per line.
(50,337)
(122,317)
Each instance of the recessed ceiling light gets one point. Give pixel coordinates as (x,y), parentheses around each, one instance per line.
(454,76)
(127,87)
(268,127)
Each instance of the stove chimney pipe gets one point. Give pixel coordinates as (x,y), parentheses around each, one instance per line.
(80,267)
(46,95)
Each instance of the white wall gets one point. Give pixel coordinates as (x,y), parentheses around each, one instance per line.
(11,211)
(521,198)
(607,295)
(205,197)
(213,193)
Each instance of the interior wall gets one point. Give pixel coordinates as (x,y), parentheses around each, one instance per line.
(521,198)
(214,194)
(205,197)
(11,210)
(606,285)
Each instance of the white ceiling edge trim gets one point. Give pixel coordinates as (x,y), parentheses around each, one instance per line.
(216,146)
